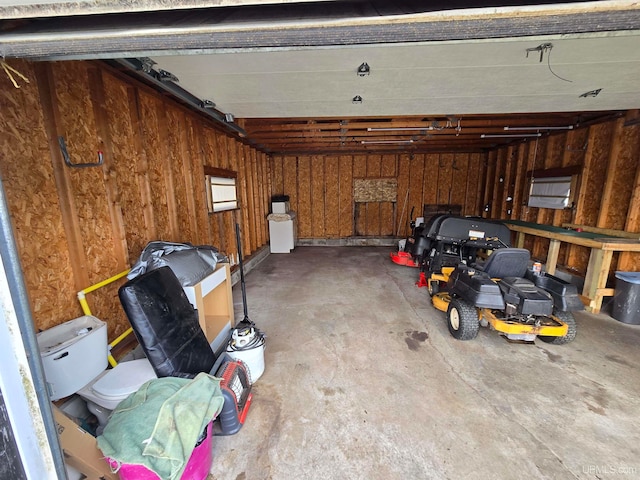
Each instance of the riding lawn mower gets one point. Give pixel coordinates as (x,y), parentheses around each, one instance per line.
(502,292)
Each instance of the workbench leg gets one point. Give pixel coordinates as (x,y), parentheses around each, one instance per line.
(596,278)
(520,240)
(552,256)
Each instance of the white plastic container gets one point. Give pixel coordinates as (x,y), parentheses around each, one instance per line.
(73,353)
(253,360)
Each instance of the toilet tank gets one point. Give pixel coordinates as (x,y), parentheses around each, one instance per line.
(73,353)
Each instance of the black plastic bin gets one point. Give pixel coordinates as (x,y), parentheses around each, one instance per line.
(626,301)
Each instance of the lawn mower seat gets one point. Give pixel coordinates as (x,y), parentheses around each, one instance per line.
(167,327)
(506,262)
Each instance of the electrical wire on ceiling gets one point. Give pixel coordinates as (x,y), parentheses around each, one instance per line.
(542,48)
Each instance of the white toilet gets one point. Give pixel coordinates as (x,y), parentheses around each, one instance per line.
(74,357)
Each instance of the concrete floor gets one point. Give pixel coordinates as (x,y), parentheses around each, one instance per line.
(363,381)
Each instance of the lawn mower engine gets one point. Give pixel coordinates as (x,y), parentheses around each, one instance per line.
(236,390)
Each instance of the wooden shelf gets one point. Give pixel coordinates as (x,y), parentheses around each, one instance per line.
(213,300)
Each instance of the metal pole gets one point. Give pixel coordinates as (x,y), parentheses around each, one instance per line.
(242,285)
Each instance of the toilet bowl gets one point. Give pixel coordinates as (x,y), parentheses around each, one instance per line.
(107,390)
(74,357)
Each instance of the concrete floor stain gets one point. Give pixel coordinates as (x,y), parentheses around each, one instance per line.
(415,338)
(617,359)
(553,357)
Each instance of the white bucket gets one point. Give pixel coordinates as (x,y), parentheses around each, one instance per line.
(253,359)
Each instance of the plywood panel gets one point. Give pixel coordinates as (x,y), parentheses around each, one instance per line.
(192,158)
(317,196)
(359,166)
(332,199)
(389,166)
(141,168)
(521,183)
(372,219)
(259,195)
(242,216)
(623,162)
(401,223)
(290,178)
(530,213)
(113,195)
(211,159)
(74,105)
(345,168)
(304,197)
(472,201)
(148,142)
(278,178)
(176,143)
(498,188)
(459,175)
(122,156)
(592,187)
(489,185)
(155,152)
(507,183)
(388,209)
(416,182)
(233,217)
(544,159)
(197,147)
(247,159)
(552,159)
(431,178)
(445,172)
(374,166)
(360,220)
(32,198)
(73,99)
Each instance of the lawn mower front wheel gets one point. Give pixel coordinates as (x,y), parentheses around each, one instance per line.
(462,320)
(565,317)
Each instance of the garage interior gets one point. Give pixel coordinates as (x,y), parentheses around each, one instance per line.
(455,106)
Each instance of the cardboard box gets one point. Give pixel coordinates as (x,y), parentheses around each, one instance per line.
(80,449)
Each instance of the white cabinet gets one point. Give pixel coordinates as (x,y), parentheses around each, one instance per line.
(282,232)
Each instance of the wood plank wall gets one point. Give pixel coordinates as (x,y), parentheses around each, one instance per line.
(75,227)
(608,193)
(320,189)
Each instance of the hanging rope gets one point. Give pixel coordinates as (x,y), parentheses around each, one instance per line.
(9,70)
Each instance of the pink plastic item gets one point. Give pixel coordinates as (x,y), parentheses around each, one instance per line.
(197,467)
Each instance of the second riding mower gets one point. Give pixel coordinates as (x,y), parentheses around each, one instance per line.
(502,293)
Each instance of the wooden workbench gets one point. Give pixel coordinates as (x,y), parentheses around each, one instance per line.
(602,248)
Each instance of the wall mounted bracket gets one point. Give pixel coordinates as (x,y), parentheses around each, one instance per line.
(67,158)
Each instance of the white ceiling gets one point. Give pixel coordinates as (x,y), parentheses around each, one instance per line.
(285,66)
(455,77)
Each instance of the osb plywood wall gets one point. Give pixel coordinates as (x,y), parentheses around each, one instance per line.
(607,195)
(76,227)
(321,190)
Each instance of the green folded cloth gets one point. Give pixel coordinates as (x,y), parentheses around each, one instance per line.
(158,426)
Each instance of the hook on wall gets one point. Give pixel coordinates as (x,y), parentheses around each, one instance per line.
(579,149)
(67,158)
